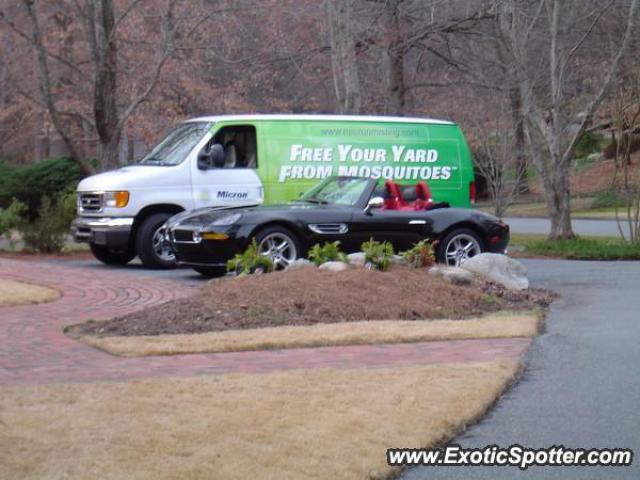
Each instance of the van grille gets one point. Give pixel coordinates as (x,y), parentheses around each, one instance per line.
(90,202)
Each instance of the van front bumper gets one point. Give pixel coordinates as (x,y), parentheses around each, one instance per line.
(107,231)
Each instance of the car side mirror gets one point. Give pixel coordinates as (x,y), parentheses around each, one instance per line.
(211,158)
(374,202)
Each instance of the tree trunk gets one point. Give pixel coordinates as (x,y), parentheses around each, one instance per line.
(344,63)
(109,152)
(557,190)
(394,60)
(522,183)
(105,92)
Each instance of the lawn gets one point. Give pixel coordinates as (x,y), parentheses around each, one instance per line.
(313,424)
(497,325)
(19,293)
(539,210)
(579,248)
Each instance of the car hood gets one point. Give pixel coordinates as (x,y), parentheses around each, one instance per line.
(205,216)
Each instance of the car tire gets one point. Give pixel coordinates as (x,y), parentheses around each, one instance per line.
(459,245)
(211,272)
(280,234)
(112,256)
(149,250)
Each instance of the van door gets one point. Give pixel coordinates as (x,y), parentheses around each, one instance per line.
(235,183)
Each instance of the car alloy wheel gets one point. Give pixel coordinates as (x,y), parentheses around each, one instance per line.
(460,248)
(280,248)
(160,246)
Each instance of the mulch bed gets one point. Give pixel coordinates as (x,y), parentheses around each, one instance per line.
(309,296)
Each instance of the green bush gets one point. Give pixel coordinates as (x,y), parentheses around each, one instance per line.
(10,217)
(48,230)
(420,255)
(377,255)
(250,261)
(327,252)
(608,198)
(587,144)
(30,183)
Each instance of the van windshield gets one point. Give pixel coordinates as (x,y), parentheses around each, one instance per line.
(177,145)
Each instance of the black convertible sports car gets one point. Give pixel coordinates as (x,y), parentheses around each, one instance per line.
(349,209)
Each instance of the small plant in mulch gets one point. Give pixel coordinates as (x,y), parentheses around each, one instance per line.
(377,255)
(250,261)
(420,255)
(327,252)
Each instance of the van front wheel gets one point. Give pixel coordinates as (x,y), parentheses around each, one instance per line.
(112,256)
(150,245)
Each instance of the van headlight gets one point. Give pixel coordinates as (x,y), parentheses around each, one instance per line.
(227,219)
(119,199)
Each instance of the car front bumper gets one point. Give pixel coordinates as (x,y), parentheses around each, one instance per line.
(107,231)
(209,253)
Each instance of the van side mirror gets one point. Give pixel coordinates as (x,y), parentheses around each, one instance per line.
(374,202)
(211,158)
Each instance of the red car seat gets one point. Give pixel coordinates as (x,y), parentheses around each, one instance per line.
(393,198)
(424,200)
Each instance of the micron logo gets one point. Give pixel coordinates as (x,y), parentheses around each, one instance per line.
(226,195)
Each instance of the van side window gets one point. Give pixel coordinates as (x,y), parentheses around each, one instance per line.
(240,146)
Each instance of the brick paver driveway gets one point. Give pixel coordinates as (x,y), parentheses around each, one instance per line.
(33,349)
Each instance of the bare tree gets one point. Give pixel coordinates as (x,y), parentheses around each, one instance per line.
(102,25)
(544,43)
(393,58)
(496,160)
(343,56)
(626,122)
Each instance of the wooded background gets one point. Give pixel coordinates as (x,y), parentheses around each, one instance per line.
(106,78)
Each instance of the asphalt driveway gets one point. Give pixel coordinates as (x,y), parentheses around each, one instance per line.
(597,228)
(581,387)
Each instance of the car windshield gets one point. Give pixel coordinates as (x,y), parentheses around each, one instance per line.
(177,145)
(339,191)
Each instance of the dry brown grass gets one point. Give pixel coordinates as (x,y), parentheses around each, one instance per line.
(314,424)
(18,293)
(499,325)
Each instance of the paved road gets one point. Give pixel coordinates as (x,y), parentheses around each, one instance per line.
(600,228)
(582,384)
(135,269)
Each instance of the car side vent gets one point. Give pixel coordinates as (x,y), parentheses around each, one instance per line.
(328,228)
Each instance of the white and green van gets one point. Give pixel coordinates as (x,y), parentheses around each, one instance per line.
(260,159)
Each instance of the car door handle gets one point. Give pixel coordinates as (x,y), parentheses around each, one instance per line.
(417,222)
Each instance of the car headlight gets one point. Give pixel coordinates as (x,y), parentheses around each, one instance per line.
(119,199)
(227,219)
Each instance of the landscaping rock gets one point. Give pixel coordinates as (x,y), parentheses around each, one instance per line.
(500,269)
(457,276)
(453,275)
(334,266)
(299,263)
(398,260)
(356,259)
